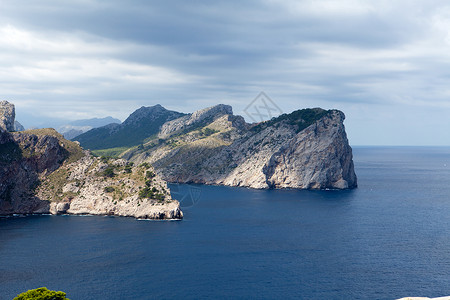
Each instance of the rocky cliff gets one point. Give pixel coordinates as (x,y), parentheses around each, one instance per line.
(108,187)
(307,149)
(41,172)
(7,116)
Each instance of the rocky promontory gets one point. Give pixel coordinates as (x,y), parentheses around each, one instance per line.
(307,149)
(41,172)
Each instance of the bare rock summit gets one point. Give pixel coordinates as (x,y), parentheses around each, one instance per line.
(7,116)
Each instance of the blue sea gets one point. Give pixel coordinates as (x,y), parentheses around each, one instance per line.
(387,239)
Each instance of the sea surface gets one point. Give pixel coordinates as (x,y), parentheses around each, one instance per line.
(387,239)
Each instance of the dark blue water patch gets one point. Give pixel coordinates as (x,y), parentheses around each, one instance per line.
(387,239)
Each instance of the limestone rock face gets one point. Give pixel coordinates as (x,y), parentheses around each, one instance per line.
(87,189)
(7,115)
(206,114)
(319,157)
(307,149)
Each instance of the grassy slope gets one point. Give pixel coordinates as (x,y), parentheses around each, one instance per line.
(300,118)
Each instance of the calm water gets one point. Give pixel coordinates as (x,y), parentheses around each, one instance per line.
(387,239)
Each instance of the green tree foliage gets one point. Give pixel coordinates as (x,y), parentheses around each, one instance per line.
(145,165)
(109,172)
(109,189)
(300,118)
(151,193)
(104,159)
(208,131)
(128,169)
(41,294)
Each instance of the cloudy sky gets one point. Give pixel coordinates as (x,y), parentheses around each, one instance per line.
(386,64)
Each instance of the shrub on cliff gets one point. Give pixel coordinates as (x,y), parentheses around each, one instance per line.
(109,172)
(41,294)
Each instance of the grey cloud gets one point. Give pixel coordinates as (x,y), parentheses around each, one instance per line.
(225,51)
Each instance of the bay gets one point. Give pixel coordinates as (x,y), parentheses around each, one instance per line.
(387,239)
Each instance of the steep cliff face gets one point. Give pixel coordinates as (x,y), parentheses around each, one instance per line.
(25,159)
(307,149)
(108,187)
(318,157)
(7,115)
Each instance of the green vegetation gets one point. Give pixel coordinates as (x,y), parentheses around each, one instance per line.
(301,118)
(109,172)
(109,189)
(110,152)
(144,165)
(208,131)
(54,183)
(41,294)
(127,169)
(151,193)
(149,174)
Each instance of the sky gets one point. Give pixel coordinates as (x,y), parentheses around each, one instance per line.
(385,64)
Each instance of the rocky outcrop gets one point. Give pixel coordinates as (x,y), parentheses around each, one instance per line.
(41,172)
(109,187)
(7,116)
(196,118)
(26,158)
(318,157)
(307,149)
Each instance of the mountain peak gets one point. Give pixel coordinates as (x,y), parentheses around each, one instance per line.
(148,113)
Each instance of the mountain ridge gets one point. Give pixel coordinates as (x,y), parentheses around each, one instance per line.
(141,124)
(306,149)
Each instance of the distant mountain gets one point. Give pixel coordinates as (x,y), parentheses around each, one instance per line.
(18,126)
(72,133)
(95,122)
(75,128)
(140,125)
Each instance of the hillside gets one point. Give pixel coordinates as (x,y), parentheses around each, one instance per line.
(306,149)
(75,128)
(140,125)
